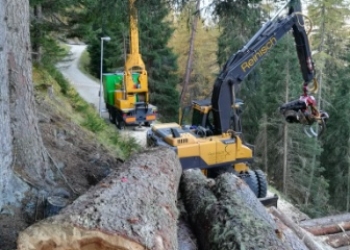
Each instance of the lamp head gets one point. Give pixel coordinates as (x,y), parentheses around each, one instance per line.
(106,38)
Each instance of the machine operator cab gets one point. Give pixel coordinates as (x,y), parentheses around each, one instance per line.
(202,122)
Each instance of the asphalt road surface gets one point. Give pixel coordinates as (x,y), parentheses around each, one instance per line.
(89,89)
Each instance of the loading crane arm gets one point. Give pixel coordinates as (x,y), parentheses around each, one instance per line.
(304,110)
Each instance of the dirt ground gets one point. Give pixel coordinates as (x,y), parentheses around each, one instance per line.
(79,162)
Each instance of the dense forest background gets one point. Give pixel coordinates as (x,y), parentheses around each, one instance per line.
(184,44)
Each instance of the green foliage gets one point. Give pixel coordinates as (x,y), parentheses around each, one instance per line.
(336,140)
(77,102)
(94,123)
(330,38)
(204,66)
(59,78)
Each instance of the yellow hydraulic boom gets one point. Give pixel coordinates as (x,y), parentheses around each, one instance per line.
(130,101)
(134,60)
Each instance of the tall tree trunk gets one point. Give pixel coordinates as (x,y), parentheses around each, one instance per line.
(265,145)
(348,184)
(190,53)
(285,136)
(21,142)
(37,49)
(320,49)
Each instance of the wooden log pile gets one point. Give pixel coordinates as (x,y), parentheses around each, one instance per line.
(334,230)
(226,215)
(140,208)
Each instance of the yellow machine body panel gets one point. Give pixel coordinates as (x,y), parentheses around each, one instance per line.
(203,152)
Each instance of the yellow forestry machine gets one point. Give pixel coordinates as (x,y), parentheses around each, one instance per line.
(213,142)
(126,94)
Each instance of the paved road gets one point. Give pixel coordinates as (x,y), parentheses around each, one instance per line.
(86,87)
(89,89)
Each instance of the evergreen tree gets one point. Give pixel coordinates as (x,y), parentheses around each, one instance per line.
(336,156)
(49,19)
(204,66)
(329,39)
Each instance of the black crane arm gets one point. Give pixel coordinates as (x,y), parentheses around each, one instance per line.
(245,60)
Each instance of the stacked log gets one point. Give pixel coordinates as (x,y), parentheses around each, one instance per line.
(333,228)
(136,208)
(131,209)
(226,215)
(327,225)
(306,240)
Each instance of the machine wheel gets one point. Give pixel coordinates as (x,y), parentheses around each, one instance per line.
(111,117)
(260,175)
(252,181)
(120,124)
(215,172)
(147,124)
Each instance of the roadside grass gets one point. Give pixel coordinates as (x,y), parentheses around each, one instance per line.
(83,65)
(67,100)
(65,47)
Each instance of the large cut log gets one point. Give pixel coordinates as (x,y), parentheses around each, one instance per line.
(226,215)
(329,229)
(130,209)
(339,239)
(327,225)
(300,232)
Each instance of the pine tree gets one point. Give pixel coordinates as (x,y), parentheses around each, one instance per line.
(329,39)
(336,156)
(48,19)
(204,66)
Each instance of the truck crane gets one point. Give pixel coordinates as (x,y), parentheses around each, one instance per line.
(126,94)
(213,142)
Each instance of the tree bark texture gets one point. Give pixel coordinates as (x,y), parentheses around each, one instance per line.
(132,209)
(186,238)
(226,215)
(339,239)
(30,157)
(329,229)
(6,156)
(328,220)
(24,163)
(303,235)
(327,225)
(288,236)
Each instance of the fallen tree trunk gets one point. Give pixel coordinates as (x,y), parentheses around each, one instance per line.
(327,225)
(329,229)
(131,209)
(309,242)
(339,239)
(226,215)
(325,220)
(288,236)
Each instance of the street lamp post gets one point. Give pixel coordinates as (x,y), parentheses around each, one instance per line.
(106,38)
